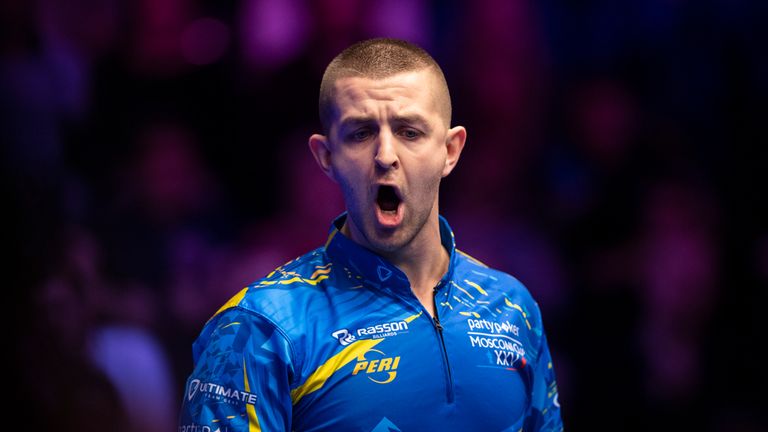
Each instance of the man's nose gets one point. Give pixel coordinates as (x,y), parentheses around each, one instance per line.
(386,154)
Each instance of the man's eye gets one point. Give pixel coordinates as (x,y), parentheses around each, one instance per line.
(410,134)
(360,135)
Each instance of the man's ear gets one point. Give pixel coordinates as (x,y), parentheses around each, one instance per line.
(319,146)
(454,143)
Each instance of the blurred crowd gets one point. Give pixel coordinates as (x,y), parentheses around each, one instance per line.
(155,162)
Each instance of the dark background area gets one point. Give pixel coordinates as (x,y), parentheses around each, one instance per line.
(155,161)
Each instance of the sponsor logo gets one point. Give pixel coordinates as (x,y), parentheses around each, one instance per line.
(381,370)
(194,385)
(343,336)
(485,341)
(382,330)
(383,272)
(377,331)
(507,351)
(503,350)
(219,392)
(508,358)
(493,327)
(202,428)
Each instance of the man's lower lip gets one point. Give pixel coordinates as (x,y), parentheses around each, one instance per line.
(389,219)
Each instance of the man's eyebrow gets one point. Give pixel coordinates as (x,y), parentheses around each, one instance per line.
(354,120)
(412,119)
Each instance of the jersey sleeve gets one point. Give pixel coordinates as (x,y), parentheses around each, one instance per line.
(242,376)
(544,412)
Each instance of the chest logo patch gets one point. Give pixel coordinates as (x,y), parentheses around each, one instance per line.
(377,366)
(384,273)
(501,342)
(374,331)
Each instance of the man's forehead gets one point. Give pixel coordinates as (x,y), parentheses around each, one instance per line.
(353,93)
(420,81)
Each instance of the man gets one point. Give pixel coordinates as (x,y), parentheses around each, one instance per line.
(388,326)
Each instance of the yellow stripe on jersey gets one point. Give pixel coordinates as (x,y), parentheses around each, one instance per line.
(253,419)
(473,259)
(231,324)
(330,236)
(317,380)
(234,301)
(477,287)
(294,279)
(413,317)
(464,291)
(322,271)
(519,309)
(474,314)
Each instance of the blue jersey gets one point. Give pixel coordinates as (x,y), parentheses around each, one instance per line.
(336,340)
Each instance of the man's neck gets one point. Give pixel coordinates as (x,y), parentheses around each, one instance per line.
(424,260)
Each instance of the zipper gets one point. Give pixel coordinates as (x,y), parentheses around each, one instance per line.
(439,329)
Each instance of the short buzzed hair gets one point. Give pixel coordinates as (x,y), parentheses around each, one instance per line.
(378,59)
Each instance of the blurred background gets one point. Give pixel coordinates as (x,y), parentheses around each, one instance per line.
(155,161)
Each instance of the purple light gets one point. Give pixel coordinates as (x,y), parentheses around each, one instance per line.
(273,32)
(204,41)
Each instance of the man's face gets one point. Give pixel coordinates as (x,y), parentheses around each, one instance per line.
(388,148)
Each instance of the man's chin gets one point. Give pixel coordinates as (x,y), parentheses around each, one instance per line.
(383,240)
(387,240)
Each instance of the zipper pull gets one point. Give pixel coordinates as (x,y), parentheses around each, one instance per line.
(437,324)
(435,319)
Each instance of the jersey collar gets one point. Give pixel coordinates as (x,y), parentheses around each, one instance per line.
(373,270)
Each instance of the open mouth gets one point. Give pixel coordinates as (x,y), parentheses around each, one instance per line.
(387,199)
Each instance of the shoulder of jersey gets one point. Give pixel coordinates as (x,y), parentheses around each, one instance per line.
(477,274)
(276,292)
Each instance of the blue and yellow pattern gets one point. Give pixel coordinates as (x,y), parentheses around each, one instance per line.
(336,340)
